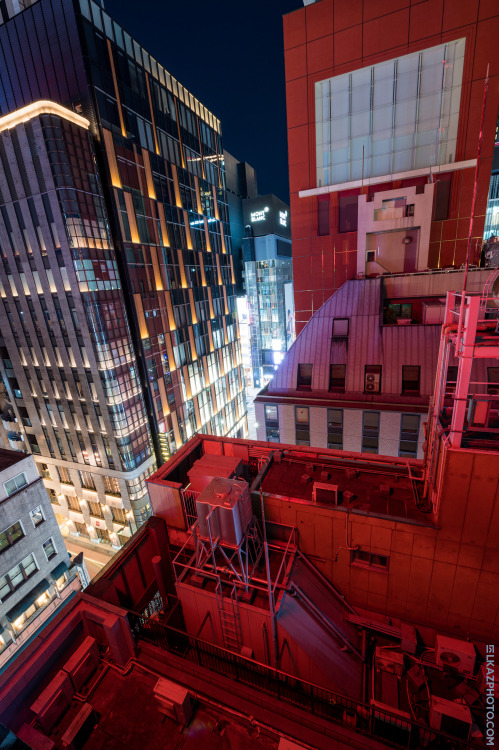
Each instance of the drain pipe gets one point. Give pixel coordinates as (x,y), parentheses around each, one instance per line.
(346,546)
(275,655)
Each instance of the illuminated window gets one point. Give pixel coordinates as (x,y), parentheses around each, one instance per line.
(272,423)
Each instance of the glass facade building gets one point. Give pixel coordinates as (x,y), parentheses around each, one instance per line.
(118,309)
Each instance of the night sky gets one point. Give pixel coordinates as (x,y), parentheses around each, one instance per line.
(229,54)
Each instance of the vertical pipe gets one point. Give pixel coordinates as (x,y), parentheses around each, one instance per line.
(275,660)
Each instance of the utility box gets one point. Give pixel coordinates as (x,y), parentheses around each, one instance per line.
(227,502)
(173,701)
(83,663)
(210,466)
(54,701)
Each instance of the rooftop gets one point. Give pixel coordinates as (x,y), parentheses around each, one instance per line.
(9,458)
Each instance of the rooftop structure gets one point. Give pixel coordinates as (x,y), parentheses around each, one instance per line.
(384,114)
(361,373)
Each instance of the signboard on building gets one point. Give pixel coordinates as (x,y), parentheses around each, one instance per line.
(267,214)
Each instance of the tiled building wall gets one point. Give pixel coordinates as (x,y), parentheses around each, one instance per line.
(389,428)
(329,38)
(446,577)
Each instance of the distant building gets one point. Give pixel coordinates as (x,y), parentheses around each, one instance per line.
(35,578)
(268,283)
(360,375)
(240,183)
(384,106)
(117,306)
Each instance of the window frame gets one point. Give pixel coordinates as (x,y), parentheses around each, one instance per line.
(54,548)
(365,432)
(410,391)
(368,561)
(40,508)
(271,426)
(332,446)
(12,542)
(304,381)
(335,388)
(336,335)
(302,441)
(407,454)
(18,487)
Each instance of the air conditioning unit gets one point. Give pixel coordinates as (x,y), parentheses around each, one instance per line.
(173,700)
(372,381)
(389,661)
(325,493)
(450,717)
(451,652)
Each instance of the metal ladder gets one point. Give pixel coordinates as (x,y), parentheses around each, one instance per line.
(229,618)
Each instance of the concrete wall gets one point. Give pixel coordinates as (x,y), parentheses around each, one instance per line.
(446,577)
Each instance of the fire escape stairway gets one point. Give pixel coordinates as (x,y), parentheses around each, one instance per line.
(228,609)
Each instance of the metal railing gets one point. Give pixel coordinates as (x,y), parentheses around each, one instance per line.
(368,720)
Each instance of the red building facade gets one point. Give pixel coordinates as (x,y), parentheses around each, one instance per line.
(334,46)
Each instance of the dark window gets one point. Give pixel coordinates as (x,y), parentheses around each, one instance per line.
(372,379)
(369,559)
(409,432)
(392,313)
(442,191)
(335,429)
(304,379)
(49,549)
(492,380)
(272,423)
(410,379)
(337,374)
(370,432)
(323,215)
(302,425)
(340,328)
(347,207)
(11,535)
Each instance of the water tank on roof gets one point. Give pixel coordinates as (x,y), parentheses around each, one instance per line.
(229,503)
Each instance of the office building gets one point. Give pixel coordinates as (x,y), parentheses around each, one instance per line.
(268,277)
(118,316)
(360,375)
(384,108)
(35,577)
(240,183)
(315,598)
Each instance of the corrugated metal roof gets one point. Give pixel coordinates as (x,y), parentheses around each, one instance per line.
(370,342)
